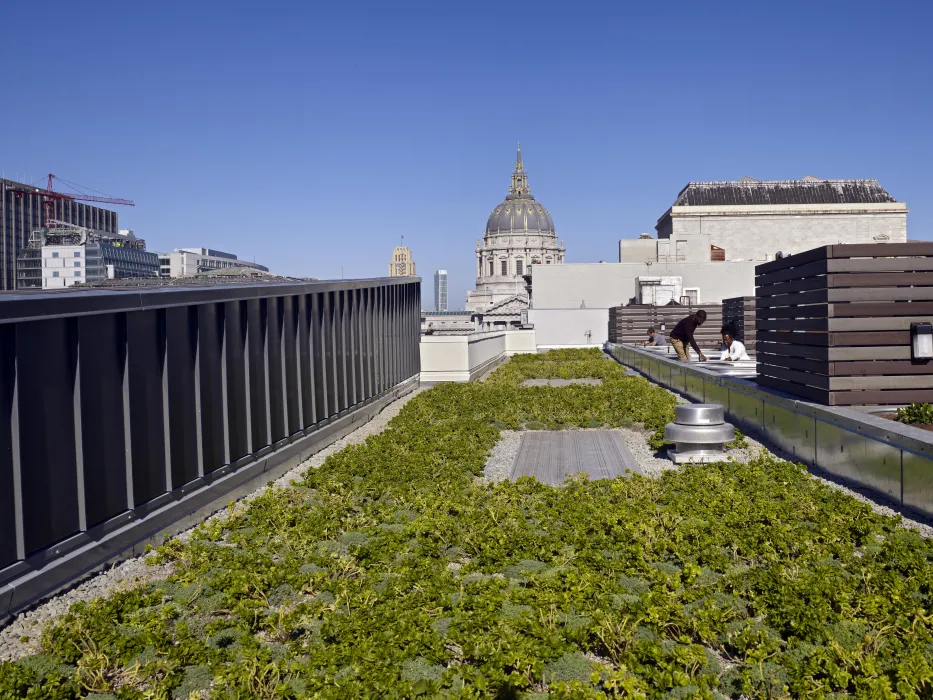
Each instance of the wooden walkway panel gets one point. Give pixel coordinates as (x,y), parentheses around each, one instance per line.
(551,457)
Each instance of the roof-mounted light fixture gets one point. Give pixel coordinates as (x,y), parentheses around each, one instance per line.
(921,342)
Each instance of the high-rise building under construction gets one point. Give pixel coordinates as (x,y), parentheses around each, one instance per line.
(21,213)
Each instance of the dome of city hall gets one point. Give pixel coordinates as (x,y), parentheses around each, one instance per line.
(520,213)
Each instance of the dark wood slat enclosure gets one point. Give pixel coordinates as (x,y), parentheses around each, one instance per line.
(833,323)
(740,312)
(630,324)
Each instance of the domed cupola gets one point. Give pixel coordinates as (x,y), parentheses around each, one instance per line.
(520,213)
(519,235)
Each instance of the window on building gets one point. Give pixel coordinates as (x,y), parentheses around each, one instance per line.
(77,263)
(55,255)
(505,266)
(77,253)
(55,274)
(518,267)
(491,273)
(77,273)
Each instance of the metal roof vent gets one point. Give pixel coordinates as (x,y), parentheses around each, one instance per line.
(699,432)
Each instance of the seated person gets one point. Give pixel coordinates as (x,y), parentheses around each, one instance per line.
(733,350)
(655,339)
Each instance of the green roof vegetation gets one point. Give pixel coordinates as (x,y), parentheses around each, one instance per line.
(394,572)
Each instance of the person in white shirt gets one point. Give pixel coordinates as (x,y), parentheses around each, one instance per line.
(733,350)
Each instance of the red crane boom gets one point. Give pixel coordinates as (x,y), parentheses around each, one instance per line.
(50,195)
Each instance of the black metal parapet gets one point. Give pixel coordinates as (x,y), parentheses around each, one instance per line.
(122,412)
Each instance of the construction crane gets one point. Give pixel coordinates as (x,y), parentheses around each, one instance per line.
(50,196)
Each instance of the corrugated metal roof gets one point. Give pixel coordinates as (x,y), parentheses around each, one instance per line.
(807,191)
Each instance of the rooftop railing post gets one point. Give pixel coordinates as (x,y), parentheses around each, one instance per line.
(236,382)
(303,353)
(183,391)
(355,345)
(275,344)
(340,329)
(45,390)
(11,505)
(380,335)
(291,376)
(211,387)
(317,356)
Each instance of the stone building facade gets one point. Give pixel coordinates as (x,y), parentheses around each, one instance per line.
(753,220)
(519,233)
(402,264)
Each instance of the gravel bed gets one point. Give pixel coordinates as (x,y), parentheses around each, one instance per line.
(503,455)
(22,636)
(138,571)
(755,448)
(923,528)
(592,381)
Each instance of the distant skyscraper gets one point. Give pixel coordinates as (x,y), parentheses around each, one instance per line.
(440,290)
(401,264)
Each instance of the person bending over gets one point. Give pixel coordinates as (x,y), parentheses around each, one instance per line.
(733,350)
(682,336)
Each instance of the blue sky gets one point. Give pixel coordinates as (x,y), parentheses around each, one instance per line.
(311,136)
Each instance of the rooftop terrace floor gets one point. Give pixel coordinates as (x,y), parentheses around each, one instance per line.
(394,570)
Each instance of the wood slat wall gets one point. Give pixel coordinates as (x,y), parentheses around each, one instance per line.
(629,324)
(740,312)
(833,323)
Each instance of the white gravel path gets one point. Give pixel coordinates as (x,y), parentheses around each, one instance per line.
(21,637)
(502,458)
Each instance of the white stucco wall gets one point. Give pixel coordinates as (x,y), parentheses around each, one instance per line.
(463,358)
(556,328)
(604,285)
(520,342)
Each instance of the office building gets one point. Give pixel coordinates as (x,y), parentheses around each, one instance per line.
(195,261)
(21,214)
(402,263)
(440,290)
(64,256)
